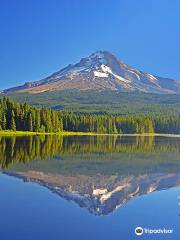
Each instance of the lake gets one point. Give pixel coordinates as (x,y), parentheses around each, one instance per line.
(89,187)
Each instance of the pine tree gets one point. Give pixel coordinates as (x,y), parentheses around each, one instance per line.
(12,122)
(30,122)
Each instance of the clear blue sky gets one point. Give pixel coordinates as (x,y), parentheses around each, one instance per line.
(38,37)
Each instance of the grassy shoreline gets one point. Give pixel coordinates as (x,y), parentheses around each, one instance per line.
(26,133)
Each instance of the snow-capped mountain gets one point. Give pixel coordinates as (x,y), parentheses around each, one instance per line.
(101,71)
(101,194)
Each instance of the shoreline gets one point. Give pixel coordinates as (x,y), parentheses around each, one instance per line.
(26,133)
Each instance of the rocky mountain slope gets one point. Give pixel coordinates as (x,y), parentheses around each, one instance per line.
(101,71)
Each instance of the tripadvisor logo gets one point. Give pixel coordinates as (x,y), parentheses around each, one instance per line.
(139,231)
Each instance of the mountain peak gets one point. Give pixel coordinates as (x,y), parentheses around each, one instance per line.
(101,71)
(101,55)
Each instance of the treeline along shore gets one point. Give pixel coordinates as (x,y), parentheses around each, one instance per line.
(23,117)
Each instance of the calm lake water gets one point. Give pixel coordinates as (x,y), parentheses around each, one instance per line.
(89,187)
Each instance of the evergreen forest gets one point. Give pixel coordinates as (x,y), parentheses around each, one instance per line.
(23,117)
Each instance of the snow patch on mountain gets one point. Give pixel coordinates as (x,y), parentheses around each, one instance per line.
(100,74)
(152,78)
(109,70)
(131,71)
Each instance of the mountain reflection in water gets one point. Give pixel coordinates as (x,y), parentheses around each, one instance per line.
(99,173)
